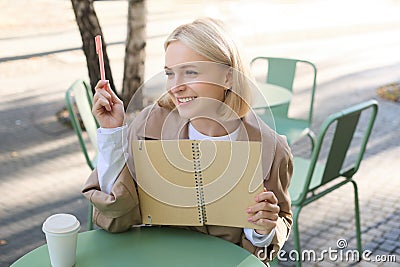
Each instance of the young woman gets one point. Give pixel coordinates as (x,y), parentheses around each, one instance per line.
(208,97)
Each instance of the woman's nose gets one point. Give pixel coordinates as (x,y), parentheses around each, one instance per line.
(177,87)
(177,84)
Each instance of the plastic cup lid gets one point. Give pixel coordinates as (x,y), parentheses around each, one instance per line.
(60,224)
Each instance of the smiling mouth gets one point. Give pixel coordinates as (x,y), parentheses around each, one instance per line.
(182,100)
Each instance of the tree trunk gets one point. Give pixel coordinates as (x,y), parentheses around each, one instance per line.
(89,27)
(135,53)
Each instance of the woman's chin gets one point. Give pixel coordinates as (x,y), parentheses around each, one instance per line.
(186,114)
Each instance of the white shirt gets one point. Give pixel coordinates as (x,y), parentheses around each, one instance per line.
(112,157)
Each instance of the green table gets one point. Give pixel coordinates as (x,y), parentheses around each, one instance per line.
(149,246)
(271,95)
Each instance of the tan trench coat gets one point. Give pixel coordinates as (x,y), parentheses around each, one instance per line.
(119,210)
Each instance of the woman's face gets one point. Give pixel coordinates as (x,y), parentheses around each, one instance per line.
(196,84)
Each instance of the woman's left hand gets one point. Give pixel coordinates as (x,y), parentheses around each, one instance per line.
(265,212)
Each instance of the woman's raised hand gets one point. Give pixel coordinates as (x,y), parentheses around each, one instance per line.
(107,107)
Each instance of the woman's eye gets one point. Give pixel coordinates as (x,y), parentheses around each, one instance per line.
(169,74)
(191,73)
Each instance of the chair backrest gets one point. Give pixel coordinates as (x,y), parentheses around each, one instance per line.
(282,72)
(343,125)
(79,101)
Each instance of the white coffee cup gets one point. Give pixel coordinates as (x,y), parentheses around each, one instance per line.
(61,234)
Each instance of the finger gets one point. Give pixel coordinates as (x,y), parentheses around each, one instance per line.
(263,206)
(114,97)
(105,86)
(101,84)
(268,196)
(271,216)
(100,105)
(102,93)
(101,100)
(106,95)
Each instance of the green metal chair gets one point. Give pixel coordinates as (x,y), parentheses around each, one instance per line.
(79,101)
(274,262)
(282,72)
(313,179)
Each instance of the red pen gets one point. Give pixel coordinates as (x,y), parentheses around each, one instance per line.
(99,51)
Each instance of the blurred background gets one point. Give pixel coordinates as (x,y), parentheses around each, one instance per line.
(354,44)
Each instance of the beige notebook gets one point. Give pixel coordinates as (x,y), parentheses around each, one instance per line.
(193,183)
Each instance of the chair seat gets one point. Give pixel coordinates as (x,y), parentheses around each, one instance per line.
(300,175)
(293,129)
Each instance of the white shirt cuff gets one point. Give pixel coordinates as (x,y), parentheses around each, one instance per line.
(257,239)
(112,146)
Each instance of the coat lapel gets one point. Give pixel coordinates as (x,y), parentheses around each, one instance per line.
(161,124)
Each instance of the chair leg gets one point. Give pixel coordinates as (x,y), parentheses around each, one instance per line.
(357,218)
(296,234)
(90,217)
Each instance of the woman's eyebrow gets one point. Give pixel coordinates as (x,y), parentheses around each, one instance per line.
(182,66)
(188,66)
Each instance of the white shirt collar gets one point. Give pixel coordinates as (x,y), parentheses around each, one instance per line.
(196,135)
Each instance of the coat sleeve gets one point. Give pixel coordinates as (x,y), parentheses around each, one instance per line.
(278,182)
(117,211)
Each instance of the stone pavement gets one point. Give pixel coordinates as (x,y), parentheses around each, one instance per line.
(42,168)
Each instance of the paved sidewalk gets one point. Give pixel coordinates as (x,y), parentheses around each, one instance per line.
(42,168)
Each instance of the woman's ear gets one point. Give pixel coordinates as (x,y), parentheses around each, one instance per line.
(229,78)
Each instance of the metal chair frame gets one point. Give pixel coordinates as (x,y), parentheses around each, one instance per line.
(282,72)
(79,102)
(312,180)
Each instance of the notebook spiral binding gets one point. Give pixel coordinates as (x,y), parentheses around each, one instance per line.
(199,183)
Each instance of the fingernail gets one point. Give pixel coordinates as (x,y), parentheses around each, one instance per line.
(248,210)
(249,219)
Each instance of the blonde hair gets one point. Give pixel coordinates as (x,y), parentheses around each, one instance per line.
(209,38)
